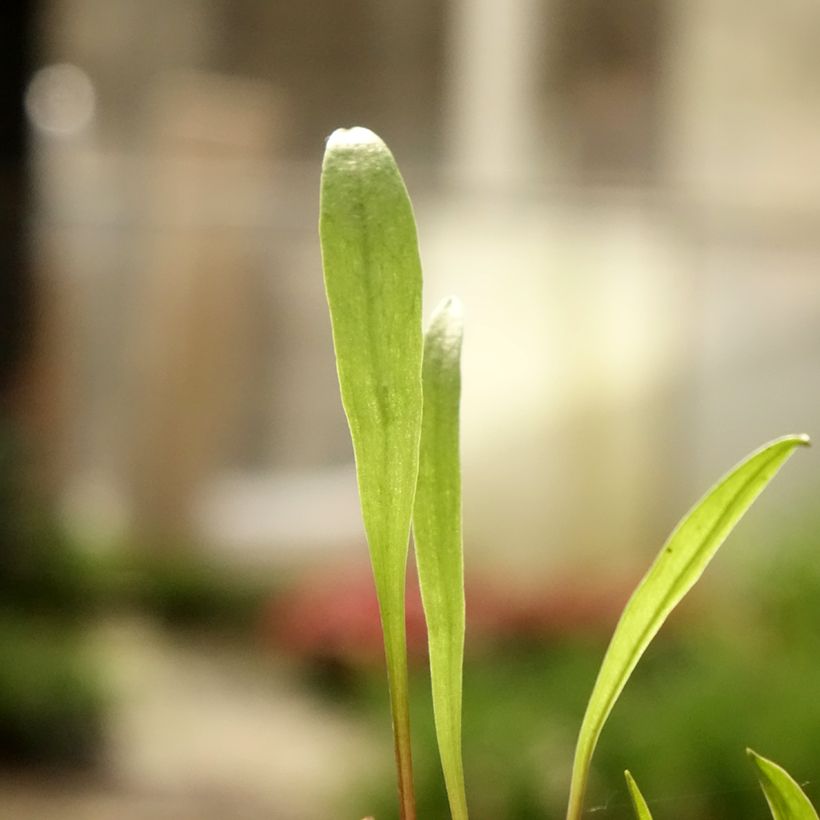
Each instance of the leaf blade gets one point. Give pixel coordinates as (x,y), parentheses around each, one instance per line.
(372,275)
(679,564)
(437,533)
(787,801)
(638,803)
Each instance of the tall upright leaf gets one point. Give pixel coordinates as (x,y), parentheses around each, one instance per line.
(373,283)
(638,803)
(680,563)
(786,799)
(438,539)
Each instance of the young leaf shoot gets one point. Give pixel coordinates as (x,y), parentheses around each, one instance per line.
(680,563)
(401,396)
(786,799)
(638,803)
(373,284)
(438,539)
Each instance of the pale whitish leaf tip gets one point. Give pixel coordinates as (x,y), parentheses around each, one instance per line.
(347,137)
(798,439)
(450,313)
(452,305)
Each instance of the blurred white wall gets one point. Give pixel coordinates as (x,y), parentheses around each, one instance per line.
(633,327)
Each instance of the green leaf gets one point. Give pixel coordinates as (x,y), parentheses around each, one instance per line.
(638,803)
(373,283)
(438,539)
(786,799)
(680,563)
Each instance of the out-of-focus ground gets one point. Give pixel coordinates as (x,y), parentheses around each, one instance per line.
(200,729)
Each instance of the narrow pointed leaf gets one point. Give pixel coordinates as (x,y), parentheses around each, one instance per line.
(438,539)
(373,283)
(638,803)
(786,799)
(680,563)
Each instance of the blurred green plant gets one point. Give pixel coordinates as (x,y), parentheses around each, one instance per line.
(41,570)
(402,403)
(52,704)
(184,591)
(697,692)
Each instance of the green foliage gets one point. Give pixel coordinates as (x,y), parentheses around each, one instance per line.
(184,591)
(680,563)
(698,694)
(638,803)
(41,570)
(52,705)
(786,799)
(373,284)
(438,539)
(408,463)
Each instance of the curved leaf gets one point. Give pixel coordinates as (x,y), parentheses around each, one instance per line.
(638,803)
(373,284)
(680,563)
(786,799)
(438,539)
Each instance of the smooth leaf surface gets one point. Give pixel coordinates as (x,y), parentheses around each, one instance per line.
(638,803)
(786,799)
(437,535)
(680,563)
(373,283)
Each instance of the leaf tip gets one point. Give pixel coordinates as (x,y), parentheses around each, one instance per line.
(453,305)
(449,311)
(446,328)
(790,441)
(357,137)
(758,760)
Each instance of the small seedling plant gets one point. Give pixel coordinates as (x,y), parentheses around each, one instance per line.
(400,390)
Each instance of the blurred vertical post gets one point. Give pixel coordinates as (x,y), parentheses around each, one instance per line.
(193,343)
(492,99)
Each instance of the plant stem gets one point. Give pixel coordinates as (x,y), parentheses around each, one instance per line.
(396,654)
(404,760)
(577,791)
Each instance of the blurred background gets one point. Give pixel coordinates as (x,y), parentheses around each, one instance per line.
(626,196)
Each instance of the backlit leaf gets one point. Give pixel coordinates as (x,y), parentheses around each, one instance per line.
(638,803)
(680,563)
(786,799)
(373,283)
(438,539)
